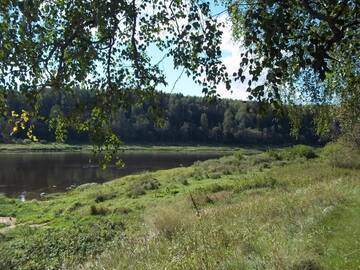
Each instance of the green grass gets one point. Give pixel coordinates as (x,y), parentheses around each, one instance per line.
(281,209)
(341,240)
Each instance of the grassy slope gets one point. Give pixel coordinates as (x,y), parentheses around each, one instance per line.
(267,211)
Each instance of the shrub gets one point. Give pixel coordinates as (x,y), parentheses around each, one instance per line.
(104,197)
(140,187)
(215,175)
(123,210)
(276,154)
(239,155)
(201,198)
(307,264)
(342,156)
(302,151)
(204,197)
(199,173)
(73,207)
(216,188)
(184,181)
(261,158)
(94,210)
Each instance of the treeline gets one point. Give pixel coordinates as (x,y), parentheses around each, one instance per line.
(185,120)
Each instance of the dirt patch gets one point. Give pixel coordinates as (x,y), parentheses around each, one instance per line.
(9,222)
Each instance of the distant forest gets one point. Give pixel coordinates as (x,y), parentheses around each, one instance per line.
(186,119)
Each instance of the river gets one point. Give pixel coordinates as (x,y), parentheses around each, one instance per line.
(30,174)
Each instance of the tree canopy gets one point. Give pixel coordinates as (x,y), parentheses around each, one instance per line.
(103,46)
(295,51)
(298,51)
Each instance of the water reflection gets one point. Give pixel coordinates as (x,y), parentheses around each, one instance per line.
(30,174)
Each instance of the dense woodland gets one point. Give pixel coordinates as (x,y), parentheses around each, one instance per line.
(184,119)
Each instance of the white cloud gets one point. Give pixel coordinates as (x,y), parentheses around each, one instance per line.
(231,50)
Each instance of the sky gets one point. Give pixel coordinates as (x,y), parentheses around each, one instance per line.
(231,58)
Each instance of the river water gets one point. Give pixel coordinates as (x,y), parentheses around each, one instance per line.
(30,174)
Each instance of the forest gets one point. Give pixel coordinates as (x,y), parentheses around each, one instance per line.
(182,119)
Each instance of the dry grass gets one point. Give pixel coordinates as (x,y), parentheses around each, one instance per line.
(166,221)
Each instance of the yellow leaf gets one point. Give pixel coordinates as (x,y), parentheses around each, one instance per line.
(14,130)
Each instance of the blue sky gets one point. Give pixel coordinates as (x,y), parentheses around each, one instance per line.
(231,58)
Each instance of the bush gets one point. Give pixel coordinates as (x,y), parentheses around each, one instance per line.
(123,210)
(73,207)
(95,211)
(276,154)
(215,175)
(140,187)
(184,181)
(239,155)
(342,156)
(307,264)
(104,197)
(301,151)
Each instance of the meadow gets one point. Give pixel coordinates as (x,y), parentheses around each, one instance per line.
(291,208)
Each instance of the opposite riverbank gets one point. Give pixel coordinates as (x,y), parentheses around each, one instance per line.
(59,147)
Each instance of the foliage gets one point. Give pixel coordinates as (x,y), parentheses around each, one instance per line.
(102,46)
(307,51)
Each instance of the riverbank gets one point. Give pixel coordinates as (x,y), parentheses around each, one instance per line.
(295,208)
(59,147)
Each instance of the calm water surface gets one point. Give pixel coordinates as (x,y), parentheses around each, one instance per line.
(29,174)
